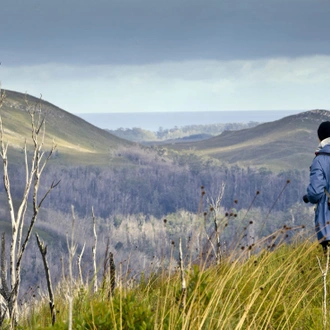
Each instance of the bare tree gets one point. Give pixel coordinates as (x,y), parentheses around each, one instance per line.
(214,205)
(34,167)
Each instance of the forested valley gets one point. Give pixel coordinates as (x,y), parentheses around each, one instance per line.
(160,185)
(131,204)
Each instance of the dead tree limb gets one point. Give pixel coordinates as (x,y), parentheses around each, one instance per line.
(112,275)
(72,248)
(43,251)
(79,264)
(105,265)
(183,280)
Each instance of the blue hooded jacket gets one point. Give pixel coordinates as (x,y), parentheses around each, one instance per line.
(319,181)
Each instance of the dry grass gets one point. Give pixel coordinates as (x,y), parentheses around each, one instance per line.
(251,289)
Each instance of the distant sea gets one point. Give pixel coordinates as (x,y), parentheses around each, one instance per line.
(152,121)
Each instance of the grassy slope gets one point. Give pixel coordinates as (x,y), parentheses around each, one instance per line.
(278,289)
(286,143)
(77,141)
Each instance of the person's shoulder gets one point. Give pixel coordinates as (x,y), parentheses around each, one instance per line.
(322,159)
(318,160)
(325,150)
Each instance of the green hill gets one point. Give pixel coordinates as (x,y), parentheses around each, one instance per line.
(77,141)
(282,144)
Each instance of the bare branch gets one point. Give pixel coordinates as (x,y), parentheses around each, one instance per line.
(183,280)
(21,227)
(53,185)
(48,157)
(43,251)
(79,264)
(41,124)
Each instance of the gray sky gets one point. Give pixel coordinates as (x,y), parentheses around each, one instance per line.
(144,55)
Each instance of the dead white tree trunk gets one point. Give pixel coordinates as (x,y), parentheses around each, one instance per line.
(72,248)
(79,265)
(33,171)
(183,280)
(94,252)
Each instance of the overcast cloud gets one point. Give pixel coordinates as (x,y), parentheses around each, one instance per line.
(141,55)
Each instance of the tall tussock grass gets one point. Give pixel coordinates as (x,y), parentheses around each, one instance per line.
(260,287)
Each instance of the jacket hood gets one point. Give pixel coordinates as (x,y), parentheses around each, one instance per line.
(324,146)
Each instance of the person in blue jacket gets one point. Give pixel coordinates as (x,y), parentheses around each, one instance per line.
(319,186)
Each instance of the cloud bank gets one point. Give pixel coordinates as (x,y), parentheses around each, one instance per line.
(144,31)
(151,55)
(204,85)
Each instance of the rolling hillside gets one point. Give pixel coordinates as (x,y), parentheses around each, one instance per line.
(76,140)
(288,143)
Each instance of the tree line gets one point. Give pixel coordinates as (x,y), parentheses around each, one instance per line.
(157,186)
(138,134)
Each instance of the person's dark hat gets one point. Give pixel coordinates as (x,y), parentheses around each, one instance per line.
(323,131)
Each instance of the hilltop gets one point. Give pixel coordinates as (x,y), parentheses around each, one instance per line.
(77,140)
(288,143)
